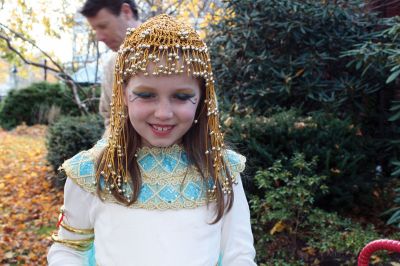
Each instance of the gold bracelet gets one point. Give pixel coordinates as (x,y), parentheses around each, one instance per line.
(70,228)
(76,230)
(81,244)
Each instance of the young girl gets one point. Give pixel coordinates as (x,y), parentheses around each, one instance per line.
(162,189)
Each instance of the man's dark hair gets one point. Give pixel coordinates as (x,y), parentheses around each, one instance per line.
(91,7)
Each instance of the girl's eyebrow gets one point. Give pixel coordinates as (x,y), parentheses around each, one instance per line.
(151,89)
(142,88)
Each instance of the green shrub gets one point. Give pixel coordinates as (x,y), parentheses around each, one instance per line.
(395,150)
(68,136)
(32,105)
(395,211)
(288,228)
(291,186)
(377,58)
(40,103)
(300,54)
(345,157)
(288,53)
(296,77)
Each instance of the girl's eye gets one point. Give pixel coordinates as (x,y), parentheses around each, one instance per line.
(144,95)
(183,96)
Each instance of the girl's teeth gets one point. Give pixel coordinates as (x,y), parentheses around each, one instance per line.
(161,128)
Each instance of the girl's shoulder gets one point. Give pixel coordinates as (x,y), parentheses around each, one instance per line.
(81,168)
(235,162)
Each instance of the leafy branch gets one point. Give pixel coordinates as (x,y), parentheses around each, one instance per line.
(59,70)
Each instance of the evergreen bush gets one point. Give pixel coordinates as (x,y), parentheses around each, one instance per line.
(385,54)
(295,76)
(70,135)
(346,157)
(31,104)
(40,103)
(295,54)
(289,53)
(289,230)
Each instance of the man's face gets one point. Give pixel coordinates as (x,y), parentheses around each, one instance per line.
(109,28)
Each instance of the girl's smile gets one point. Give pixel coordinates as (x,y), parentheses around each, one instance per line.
(161,130)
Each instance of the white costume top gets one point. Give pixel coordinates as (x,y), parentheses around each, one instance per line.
(169,225)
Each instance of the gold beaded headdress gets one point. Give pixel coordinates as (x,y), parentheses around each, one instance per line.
(161,37)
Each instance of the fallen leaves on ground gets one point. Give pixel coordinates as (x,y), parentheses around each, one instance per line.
(28,204)
(34,131)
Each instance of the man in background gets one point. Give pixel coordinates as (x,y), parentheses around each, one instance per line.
(110,20)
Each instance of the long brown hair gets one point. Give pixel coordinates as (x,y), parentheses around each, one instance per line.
(195,143)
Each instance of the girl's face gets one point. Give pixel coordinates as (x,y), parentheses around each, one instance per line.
(162,108)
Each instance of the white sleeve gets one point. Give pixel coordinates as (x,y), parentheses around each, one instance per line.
(77,203)
(237,239)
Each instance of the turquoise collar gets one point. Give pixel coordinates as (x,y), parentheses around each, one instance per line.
(169,181)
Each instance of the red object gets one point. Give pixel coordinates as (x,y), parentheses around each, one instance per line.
(381,244)
(60,219)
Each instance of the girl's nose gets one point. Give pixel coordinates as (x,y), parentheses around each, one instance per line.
(164,110)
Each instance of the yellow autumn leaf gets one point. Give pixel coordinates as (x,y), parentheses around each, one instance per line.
(375,259)
(335,171)
(228,121)
(8,176)
(299,73)
(34,174)
(309,250)
(278,227)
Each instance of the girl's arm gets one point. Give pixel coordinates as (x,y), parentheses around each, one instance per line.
(237,239)
(74,241)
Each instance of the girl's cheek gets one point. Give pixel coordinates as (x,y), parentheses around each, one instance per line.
(138,113)
(192,112)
